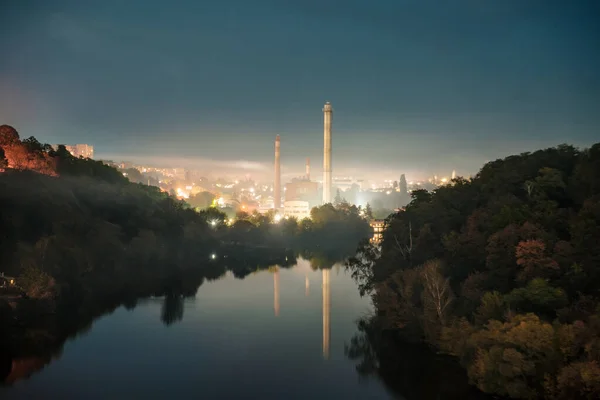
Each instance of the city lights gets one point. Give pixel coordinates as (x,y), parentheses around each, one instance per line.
(277,218)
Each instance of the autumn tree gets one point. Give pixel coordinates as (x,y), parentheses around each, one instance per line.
(437,294)
(8,135)
(531,257)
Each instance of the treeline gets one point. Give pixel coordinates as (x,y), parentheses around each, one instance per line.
(501,271)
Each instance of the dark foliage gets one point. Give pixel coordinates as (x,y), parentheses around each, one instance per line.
(502,271)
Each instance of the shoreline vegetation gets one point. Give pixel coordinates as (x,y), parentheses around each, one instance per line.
(82,240)
(500,271)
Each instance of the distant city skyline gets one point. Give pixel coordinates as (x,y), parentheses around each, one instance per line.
(419,87)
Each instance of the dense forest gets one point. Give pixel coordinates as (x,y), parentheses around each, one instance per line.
(502,271)
(81,239)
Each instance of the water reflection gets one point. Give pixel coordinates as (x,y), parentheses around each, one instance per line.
(34,347)
(326,312)
(172,309)
(276,291)
(306,286)
(229,326)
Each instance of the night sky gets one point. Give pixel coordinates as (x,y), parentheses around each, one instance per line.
(418,87)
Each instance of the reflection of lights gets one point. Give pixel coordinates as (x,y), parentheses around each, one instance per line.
(213,256)
(388,192)
(251,190)
(277,218)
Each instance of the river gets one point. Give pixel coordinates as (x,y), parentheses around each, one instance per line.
(276,334)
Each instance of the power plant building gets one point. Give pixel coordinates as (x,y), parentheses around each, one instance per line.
(296,209)
(301,190)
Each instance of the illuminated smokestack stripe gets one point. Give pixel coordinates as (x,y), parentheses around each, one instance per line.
(277,185)
(328,116)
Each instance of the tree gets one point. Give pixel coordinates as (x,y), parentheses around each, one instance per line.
(437,294)
(8,135)
(134,175)
(492,308)
(368,212)
(3,160)
(531,257)
(201,200)
(338,198)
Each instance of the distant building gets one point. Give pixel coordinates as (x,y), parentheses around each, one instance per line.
(302,190)
(378,226)
(80,150)
(346,182)
(6,281)
(297,209)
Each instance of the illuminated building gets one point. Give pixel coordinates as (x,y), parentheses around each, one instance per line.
(327,120)
(300,190)
(378,226)
(297,209)
(79,150)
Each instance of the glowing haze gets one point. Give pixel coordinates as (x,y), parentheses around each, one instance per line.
(418,87)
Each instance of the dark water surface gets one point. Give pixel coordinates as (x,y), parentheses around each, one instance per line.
(276,334)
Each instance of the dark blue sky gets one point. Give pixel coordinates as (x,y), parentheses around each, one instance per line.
(422,85)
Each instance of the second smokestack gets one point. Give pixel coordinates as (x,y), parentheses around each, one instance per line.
(307,169)
(277,183)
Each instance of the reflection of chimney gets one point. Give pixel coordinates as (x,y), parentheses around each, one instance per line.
(328,114)
(326,305)
(307,169)
(277,186)
(306,286)
(276,292)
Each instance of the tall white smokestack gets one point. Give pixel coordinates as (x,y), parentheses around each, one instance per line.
(307,169)
(328,116)
(277,185)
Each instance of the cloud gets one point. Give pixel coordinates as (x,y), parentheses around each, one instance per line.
(223,167)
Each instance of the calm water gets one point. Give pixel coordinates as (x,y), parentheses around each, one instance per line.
(276,334)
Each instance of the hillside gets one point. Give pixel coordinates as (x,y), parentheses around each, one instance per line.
(501,271)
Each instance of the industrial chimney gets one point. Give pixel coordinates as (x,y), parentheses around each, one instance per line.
(328,115)
(277,185)
(307,169)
